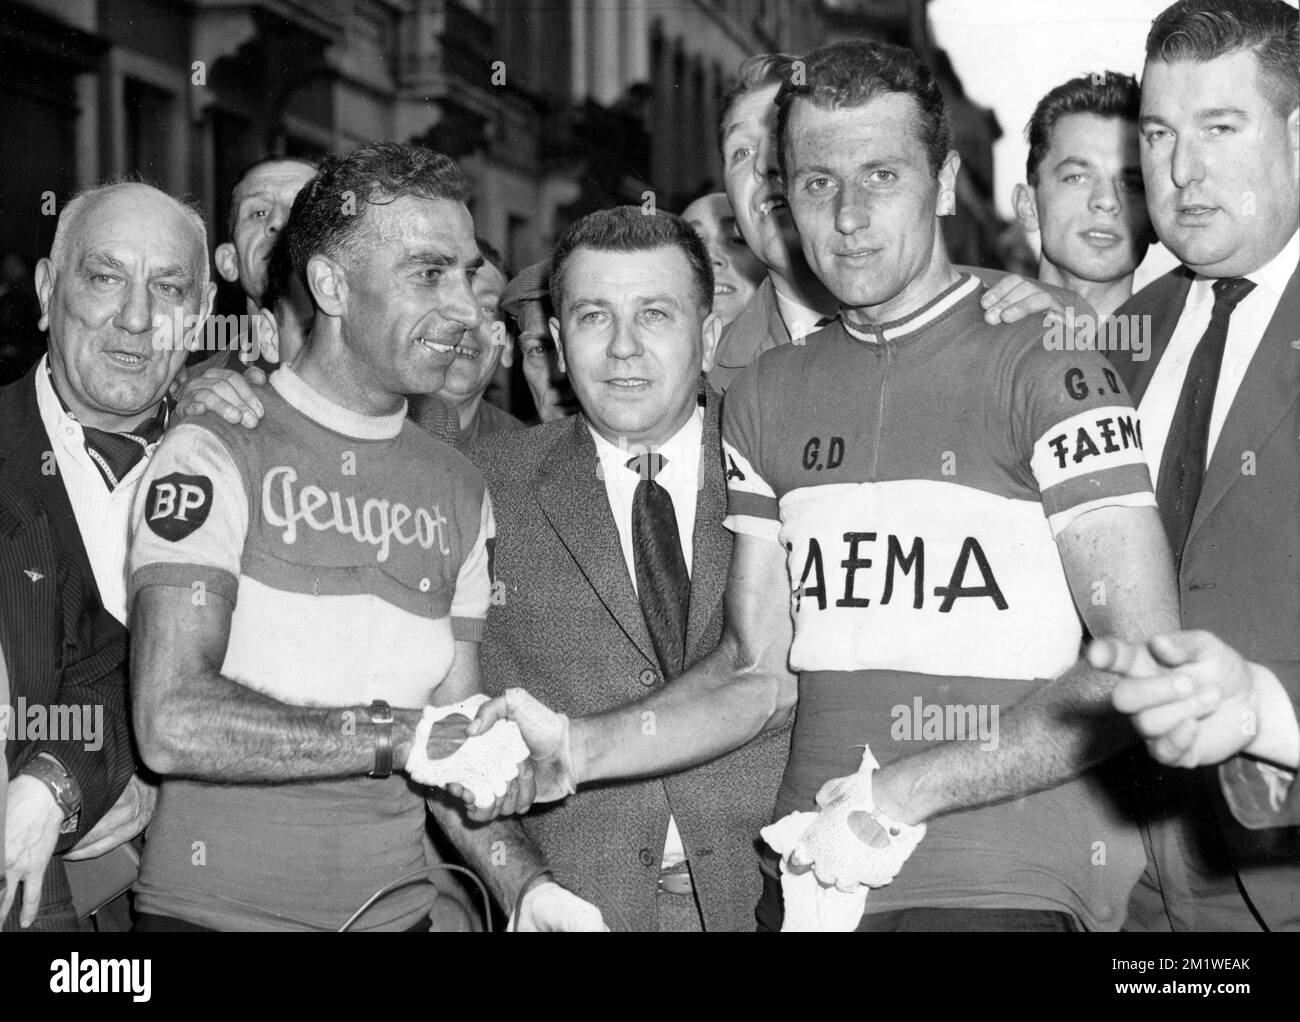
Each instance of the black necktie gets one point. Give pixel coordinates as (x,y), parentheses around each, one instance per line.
(115,454)
(663,585)
(1182,467)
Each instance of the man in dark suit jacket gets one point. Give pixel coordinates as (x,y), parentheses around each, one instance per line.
(571,621)
(1219,398)
(65,657)
(74,436)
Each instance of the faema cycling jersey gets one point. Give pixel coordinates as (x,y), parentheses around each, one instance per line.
(917,475)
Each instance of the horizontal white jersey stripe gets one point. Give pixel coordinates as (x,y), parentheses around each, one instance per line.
(750,525)
(1062,520)
(334,650)
(994,600)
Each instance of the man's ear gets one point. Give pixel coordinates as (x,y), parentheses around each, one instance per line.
(947,204)
(710,332)
(268,335)
(227,260)
(1293,129)
(44,291)
(328,285)
(559,343)
(1022,201)
(508,348)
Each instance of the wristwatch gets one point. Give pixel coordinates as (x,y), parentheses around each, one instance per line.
(381,715)
(62,785)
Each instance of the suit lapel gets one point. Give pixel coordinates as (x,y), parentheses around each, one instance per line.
(21,431)
(572,496)
(777,330)
(1166,311)
(1268,391)
(710,543)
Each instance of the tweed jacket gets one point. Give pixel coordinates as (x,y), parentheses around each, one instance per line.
(568,628)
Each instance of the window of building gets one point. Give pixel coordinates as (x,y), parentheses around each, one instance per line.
(146,139)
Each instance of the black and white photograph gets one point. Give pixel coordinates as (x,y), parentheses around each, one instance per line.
(655,466)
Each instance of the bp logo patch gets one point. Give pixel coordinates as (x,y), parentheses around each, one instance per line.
(178,504)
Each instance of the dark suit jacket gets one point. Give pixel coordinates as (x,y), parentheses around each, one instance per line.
(569,630)
(1240,572)
(60,645)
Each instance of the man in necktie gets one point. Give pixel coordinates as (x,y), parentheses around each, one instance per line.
(611,560)
(1220,408)
(127,264)
(663,583)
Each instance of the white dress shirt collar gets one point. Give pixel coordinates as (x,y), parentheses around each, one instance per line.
(681,453)
(1278,271)
(1272,276)
(799,319)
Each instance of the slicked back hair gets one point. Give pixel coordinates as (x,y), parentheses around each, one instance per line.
(629,229)
(1202,30)
(306,161)
(329,212)
(758,72)
(854,72)
(1109,94)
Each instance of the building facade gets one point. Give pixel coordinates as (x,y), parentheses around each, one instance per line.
(553,107)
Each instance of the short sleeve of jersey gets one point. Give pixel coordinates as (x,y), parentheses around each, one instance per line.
(469,605)
(1076,426)
(190,517)
(752,507)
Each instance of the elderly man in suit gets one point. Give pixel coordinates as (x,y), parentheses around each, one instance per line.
(611,561)
(1220,406)
(127,265)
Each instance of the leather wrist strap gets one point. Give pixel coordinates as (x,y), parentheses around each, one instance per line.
(67,794)
(381,716)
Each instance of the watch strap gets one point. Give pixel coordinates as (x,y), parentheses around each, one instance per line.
(62,786)
(381,716)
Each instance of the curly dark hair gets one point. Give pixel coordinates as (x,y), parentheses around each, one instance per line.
(854,72)
(329,212)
